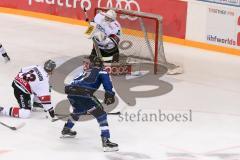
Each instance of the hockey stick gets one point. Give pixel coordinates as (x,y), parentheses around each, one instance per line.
(114,113)
(99,55)
(94,40)
(110,113)
(13,127)
(61,116)
(85,13)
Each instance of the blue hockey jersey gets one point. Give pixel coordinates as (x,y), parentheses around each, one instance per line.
(93,78)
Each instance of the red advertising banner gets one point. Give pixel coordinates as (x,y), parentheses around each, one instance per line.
(238,35)
(174,12)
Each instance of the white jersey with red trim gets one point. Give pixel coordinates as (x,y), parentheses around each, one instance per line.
(35,80)
(112,31)
(106,27)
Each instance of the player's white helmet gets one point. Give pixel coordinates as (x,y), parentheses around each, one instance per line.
(111,14)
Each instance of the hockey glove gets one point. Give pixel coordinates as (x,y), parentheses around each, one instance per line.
(109,98)
(51,112)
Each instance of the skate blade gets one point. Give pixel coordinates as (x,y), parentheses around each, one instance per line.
(108,149)
(67,136)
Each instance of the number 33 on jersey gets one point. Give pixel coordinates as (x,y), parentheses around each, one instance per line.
(33,80)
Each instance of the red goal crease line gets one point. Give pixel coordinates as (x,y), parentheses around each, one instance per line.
(174,40)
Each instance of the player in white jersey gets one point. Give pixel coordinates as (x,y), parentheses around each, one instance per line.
(4,53)
(33,80)
(107,35)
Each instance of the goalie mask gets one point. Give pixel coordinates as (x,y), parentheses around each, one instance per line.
(110,16)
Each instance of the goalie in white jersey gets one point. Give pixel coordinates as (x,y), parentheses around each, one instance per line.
(33,80)
(107,34)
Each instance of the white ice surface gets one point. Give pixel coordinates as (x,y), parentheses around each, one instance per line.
(210,87)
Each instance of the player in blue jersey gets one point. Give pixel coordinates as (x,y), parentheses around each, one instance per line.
(81,96)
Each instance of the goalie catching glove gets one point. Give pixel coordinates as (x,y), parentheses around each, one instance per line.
(109,98)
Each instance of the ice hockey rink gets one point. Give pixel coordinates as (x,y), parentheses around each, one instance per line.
(209,87)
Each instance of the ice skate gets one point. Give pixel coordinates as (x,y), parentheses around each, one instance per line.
(109,146)
(68,133)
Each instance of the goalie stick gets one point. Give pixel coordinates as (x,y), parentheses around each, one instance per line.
(13,127)
(85,13)
(94,40)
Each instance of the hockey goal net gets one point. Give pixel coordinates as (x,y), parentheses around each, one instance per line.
(141,39)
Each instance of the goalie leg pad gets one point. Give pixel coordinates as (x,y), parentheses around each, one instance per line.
(116,57)
(110,55)
(92,55)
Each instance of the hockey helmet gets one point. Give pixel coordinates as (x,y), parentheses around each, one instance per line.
(110,14)
(49,65)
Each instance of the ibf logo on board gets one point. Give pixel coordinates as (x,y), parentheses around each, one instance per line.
(230,36)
